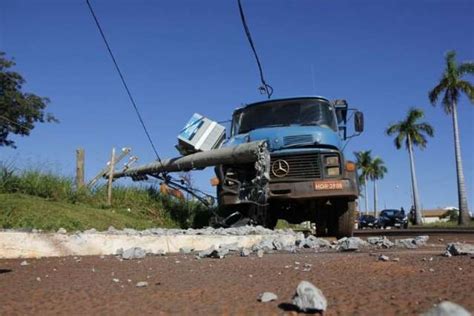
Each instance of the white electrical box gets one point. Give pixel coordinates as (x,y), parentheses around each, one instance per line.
(200,134)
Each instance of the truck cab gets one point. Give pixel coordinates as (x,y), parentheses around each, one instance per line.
(309,178)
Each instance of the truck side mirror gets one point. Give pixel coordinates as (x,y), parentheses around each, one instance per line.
(359,122)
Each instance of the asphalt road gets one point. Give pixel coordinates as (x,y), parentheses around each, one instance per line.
(355,283)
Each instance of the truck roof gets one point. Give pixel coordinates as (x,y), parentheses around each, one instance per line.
(281,99)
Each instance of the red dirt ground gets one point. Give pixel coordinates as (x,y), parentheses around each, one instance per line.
(354,283)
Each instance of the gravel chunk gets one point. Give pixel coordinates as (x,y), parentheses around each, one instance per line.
(421,240)
(260,253)
(134,253)
(380,241)
(24,263)
(267,297)
(408,243)
(308,298)
(142,284)
(457,249)
(447,308)
(384,258)
(351,244)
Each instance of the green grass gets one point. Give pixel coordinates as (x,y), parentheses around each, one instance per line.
(25,211)
(44,200)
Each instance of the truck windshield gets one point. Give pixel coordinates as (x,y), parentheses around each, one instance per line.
(284,113)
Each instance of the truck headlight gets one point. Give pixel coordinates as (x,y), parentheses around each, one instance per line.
(332,161)
(333,171)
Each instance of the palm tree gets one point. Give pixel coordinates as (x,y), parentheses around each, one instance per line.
(376,171)
(453,85)
(364,160)
(410,132)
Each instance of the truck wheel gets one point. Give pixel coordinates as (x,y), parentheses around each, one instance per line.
(343,219)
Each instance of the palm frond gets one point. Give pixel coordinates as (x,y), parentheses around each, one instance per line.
(467,88)
(425,127)
(435,93)
(392,129)
(466,67)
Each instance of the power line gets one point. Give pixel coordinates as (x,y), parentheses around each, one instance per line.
(123,80)
(265,87)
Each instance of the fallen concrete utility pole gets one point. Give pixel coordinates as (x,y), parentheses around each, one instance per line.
(246,153)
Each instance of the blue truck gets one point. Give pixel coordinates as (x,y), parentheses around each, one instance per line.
(310,178)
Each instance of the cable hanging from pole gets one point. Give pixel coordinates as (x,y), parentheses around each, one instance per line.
(265,88)
(123,80)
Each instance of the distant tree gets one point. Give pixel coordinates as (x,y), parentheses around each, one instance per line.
(364,161)
(412,133)
(19,111)
(453,85)
(376,171)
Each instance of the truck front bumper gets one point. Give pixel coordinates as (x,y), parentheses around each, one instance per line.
(313,189)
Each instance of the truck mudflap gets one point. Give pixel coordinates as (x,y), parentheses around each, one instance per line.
(313,189)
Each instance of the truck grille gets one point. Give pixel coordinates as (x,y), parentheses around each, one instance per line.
(301,166)
(298,139)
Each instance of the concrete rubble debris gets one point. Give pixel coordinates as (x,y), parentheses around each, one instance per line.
(408,243)
(457,249)
(142,284)
(245,252)
(213,252)
(447,308)
(133,253)
(267,297)
(308,298)
(380,241)
(383,258)
(260,253)
(351,244)
(313,242)
(421,240)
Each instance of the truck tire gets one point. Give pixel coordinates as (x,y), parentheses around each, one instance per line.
(342,219)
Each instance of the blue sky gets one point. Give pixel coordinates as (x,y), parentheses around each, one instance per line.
(181,57)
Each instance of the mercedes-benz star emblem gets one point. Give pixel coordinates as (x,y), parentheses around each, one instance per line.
(280,168)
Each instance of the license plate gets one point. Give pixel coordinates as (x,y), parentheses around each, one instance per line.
(328,185)
(397,225)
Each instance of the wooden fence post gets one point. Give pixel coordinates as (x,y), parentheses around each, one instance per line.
(79,168)
(111,178)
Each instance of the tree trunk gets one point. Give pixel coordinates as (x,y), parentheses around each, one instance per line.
(366,196)
(414,185)
(464,217)
(375,198)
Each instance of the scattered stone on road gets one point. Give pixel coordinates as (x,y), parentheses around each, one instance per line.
(142,284)
(351,243)
(267,297)
(408,243)
(24,263)
(380,241)
(384,258)
(116,280)
(447,308)
(134,253)
(308,298)
(457,249)
(260,253)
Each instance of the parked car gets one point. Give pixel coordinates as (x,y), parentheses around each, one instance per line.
(393,218)
(367,221)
